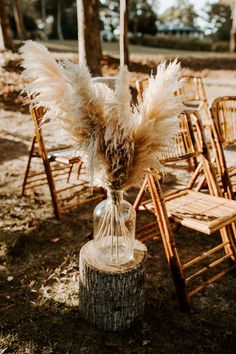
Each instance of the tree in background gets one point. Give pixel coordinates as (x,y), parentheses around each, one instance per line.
(180,14)
(142,18)
(6,28)
(233,27)
(58,9)
(43,14)
(2,45)
(89,34)
(17,11)
(125,40)
(218,17)
(60,4)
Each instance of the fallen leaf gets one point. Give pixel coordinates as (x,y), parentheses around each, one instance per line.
(54,240)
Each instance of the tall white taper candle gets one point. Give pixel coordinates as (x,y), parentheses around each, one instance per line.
(122,24)
(81,24)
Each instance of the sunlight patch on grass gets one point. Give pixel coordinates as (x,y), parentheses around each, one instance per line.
(62,285)
(11,344)
(3,251)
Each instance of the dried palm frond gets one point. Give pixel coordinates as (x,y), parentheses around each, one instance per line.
(117,143)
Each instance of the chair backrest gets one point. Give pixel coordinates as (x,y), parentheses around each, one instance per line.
(191,143)
(192,88)
(47,137)
(37,117)
(140,87)
(110,81)
(194,96)
(183,144)
(224,114)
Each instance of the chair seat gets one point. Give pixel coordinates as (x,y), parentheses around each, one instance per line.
(201,212)
(193,104)
(64,154)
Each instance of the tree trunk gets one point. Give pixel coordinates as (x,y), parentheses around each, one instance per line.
(59,13)
(112,297)
(6,29)
(19,19)
(43,13)
(124,46)
(89,34)
(233,28)
(2,45)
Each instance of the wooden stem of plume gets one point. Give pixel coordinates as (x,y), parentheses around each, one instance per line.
(112,297)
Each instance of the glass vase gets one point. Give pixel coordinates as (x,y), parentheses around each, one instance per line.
(114,229)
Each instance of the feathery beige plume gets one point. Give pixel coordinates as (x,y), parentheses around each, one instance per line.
(47,85)
(117,143)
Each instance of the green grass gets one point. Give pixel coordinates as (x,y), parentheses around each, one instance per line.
(113,49)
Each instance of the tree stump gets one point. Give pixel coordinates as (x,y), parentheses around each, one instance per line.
(112,297)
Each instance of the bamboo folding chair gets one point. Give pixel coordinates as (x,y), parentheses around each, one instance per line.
(194,94)
(110,81)
(140,87)
(223,110)
(195,101)
(60,165)
(194,108)
(196,210)
(192,90)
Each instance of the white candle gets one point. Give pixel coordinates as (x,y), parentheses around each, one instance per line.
(122,25)
(81,24)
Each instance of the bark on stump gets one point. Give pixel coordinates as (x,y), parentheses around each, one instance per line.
(112,297)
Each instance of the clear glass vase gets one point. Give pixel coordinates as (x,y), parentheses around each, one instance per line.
(114,229)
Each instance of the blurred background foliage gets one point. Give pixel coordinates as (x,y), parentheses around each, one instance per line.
(180,26)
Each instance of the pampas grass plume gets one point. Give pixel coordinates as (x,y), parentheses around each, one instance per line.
(118,143)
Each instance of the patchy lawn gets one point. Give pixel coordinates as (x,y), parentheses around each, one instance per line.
(39,256)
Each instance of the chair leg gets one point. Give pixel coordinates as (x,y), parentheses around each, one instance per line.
(169,243)
(28,165)
(234,234)
(180,286)
(69,173)
(192,164)
(52,189)
(140,195)
(226,235)
(176,270)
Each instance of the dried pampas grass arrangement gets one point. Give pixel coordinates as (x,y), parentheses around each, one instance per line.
(118,143)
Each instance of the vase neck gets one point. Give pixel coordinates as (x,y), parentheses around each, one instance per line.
(115,195)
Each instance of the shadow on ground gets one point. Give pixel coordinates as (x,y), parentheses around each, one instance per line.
(196,64)
(11,149)
(41,253)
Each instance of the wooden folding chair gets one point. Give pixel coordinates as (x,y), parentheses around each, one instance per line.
(110,81)
(196,103)
(223,110)
(196,210)
(192,90)
(60,163)
(194,94)
(140,87)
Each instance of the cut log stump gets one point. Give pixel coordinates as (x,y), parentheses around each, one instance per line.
(112,297)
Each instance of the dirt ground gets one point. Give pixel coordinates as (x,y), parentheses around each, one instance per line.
(39,256)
